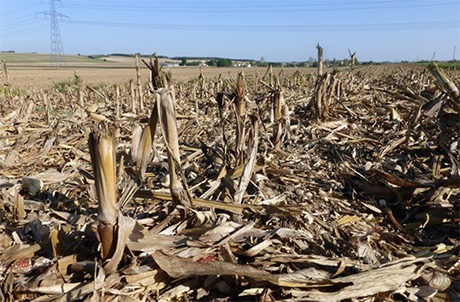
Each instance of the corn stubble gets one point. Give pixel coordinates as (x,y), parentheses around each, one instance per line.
(163,113)
(167,117)
(240,111)
(102,150)
(113,228)
(305,221)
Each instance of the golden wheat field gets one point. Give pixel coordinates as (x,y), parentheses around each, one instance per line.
(229,184)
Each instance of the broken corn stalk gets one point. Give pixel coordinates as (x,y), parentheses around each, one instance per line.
(102,150)
(240,105)
(446,84)
(167,117)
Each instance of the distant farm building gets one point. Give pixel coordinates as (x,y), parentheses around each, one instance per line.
(242,64)
(170,64)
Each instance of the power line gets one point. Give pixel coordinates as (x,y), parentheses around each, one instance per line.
(15,25)
(261,28)
(244,4)
(16,10)
(281,28)
(261,9)
(25,31)
(56,49)
(15,19)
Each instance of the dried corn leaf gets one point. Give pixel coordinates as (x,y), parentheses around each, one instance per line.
(180,268)
(380,280)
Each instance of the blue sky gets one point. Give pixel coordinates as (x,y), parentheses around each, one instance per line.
(378,30)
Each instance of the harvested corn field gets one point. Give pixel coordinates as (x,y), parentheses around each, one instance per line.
(296,187)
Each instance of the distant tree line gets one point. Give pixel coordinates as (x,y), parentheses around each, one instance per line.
(134,55)
(184,62)
(225,62)
(220,63)
(127,55)
(216,62)
(203,58)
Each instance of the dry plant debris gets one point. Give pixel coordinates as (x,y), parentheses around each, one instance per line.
(342,187)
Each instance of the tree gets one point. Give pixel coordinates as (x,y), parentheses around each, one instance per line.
(224,63)
(211,62)
(262,62)
(183,62)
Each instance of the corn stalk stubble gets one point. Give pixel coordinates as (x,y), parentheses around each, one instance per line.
(102,150)
(249,167)
(164,113)
(446,84)
(281,120)
(240,106)
(140,93)
(113,228)
(167,118)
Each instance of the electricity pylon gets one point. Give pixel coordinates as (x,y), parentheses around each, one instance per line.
(57,50)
